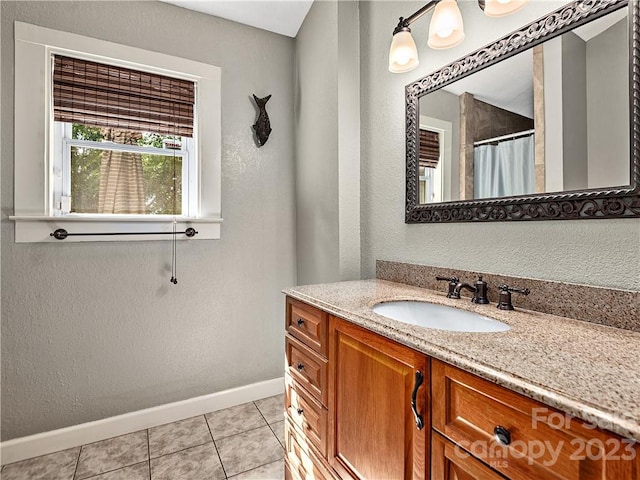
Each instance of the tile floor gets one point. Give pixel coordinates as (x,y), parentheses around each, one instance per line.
(239,443)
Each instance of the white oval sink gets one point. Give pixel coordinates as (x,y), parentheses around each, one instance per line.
(440,317)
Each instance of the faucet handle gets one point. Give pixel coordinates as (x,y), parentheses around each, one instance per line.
(504,303)
(480,295)
(453,281)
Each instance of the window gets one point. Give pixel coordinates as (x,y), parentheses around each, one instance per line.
(123,140)
(102,156)
(429,166)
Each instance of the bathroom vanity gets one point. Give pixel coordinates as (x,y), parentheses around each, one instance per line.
(376,398)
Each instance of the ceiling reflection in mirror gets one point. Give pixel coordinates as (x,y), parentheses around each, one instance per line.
(553,118)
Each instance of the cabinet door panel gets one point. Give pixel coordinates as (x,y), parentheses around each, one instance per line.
(373,430)
(450,462)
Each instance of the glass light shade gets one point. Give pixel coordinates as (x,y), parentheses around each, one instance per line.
(446,29)
(501,8)
(403,54)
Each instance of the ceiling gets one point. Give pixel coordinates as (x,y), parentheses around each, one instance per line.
(509,84)
(279,16)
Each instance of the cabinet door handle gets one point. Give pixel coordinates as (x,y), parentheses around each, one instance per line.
(300,322)
(300,411)
(502,435)
(417,416)
(300,367)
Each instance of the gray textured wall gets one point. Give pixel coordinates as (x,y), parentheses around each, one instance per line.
(327,120)
(574,112)
(607,87)
(316,120)
(594,252)
(94,330)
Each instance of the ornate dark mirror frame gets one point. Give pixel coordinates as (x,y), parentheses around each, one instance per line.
(618,202)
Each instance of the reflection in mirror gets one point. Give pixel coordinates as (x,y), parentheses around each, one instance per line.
(553,118)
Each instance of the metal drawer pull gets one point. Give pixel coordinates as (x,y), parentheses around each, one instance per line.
(300,367)
(502,435)
(300,411)
(300,322)
(417,416)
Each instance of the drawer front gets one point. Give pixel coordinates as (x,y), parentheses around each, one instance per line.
(449,462)
(308,324)
(307,414)
(542,442)
(307,368)
(301,463)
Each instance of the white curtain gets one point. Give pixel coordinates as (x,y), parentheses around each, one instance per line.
(504,169)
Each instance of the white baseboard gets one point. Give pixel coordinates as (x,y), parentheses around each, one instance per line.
(77,435)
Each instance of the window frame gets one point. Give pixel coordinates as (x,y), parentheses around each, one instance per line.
(34,212)
(64,141)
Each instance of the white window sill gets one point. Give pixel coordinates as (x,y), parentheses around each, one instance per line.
(37,228)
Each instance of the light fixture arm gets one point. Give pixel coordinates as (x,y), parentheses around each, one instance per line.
(403,24)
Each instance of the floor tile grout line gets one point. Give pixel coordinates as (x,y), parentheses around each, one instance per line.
(269,425)
(75,470)
(111,471)
(274,432)
(149,452)
(181,450)
(255,468)
(224,471)
(240,433)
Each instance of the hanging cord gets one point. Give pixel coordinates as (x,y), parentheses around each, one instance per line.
(174,259)
(174,263)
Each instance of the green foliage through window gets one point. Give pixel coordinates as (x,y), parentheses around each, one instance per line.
(158,171)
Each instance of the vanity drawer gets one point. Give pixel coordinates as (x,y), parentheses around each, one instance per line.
(301,462)
(307,368)
(308,324)
(307,414)
(449,462)
(543,443)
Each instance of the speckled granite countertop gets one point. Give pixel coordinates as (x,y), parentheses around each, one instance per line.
(587,370)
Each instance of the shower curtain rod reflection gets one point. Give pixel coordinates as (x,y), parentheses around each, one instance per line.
(511,136)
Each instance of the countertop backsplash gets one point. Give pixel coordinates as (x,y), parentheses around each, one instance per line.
(604,306)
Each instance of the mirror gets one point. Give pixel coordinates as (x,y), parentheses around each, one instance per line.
(533,126)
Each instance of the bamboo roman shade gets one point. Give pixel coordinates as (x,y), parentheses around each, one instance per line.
(103,95)
(429,149)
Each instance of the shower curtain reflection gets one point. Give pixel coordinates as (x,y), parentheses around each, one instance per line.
(504,169)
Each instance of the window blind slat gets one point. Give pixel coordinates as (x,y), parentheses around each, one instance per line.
(108,96)
(429,153)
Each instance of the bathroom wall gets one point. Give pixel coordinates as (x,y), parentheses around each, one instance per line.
(594,252)
(574,112)
(607,87)
(94,330)
(316,122)
(327,122)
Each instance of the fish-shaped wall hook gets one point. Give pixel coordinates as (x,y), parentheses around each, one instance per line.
(262,126)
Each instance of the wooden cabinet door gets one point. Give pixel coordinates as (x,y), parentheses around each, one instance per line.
(450,462)
(373,432)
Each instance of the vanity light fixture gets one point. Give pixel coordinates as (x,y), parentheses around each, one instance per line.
(446,29)
(500,8)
